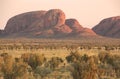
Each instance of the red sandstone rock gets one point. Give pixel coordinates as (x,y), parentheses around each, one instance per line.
(22,21)
(50,23)
(63,29)
(54,17)
(74,25)
(87,32)
(109,27)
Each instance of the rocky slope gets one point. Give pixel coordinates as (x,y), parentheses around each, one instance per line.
(50,23)
(109,27)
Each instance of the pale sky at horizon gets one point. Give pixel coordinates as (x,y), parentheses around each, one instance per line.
(88,13)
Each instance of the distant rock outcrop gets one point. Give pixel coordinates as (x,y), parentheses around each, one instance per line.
(50,23)
(109,27)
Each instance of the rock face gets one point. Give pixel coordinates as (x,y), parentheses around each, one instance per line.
(1,32)
(109,27)
(77,29)
(74,25)
(54,17)
(50,23)
(23,21)
(87,32)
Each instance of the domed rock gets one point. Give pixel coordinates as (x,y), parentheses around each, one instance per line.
(109,27)
(49,23)
(74,25)
(51,18)
(22,21)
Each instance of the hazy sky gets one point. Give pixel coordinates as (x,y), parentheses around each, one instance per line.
(87,12)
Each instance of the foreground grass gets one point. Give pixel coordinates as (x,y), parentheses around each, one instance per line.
(65,69)
(57,52)
(59,59)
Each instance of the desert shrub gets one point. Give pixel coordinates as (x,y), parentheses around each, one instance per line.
(85,70)
(106,70)
(33,60)
(20,70)
(85,58)
(116,64)
(73,57)
(25,57)
(13,68)
(110,60)
(42,71)
(54,62)
(92,69)
(103,56)
(85,67)
(4,54)
(7,67)
(1,62)
(1,65)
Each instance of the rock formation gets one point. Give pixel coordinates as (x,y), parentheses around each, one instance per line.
(23,21)
(50,23)
(74,25)
(109,27)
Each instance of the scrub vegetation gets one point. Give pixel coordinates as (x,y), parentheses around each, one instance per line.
(59,59)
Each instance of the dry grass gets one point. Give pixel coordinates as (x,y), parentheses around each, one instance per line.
(59,48)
